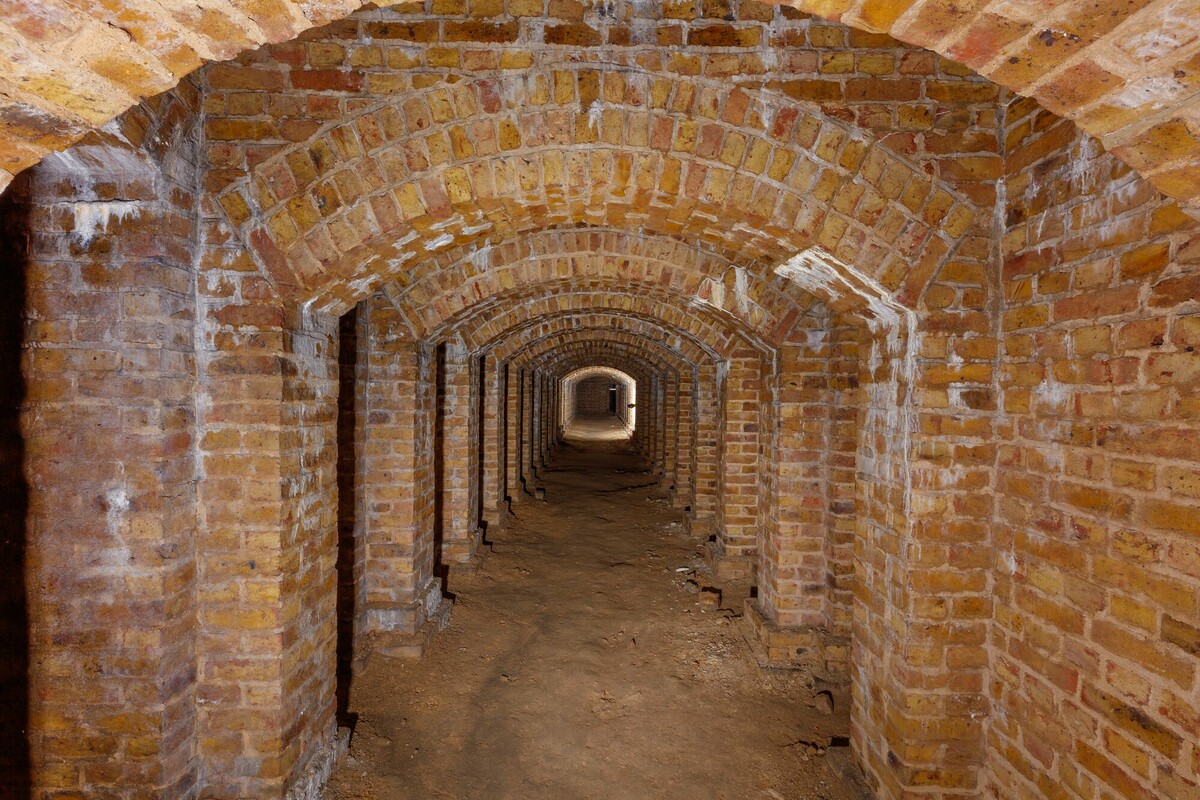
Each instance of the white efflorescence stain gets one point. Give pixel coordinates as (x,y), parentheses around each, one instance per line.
(81,165)
(894,345)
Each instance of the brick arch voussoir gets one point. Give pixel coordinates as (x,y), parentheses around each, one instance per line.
(756,294)
(600,325)
(660,357)
(58,94)
(662,309)
(333,217)
(559,363)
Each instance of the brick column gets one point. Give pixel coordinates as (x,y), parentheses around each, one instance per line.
(638,440)
(545,420)
(686,441)
(266,556)
(735,548)
(537,422)
(512,433)
(708,394)
(841,517)
(492,434)
(525,431)
(671,431)
(101,514)
(397,475)
(653,432)
(791,576)
(664,450)
(923,571)
(459,456)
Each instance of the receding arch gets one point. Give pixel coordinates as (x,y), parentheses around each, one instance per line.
(756,296)
(633,328)
(798,179)
(58,95)
(559,298)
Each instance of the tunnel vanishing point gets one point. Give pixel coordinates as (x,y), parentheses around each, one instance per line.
(901,301)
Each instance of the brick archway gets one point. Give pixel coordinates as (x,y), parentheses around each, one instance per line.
(817,181)
(120,55)
(1016,310)
(629,328)
(620,342)
(468,278)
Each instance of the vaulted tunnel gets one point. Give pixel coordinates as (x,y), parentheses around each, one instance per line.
(907,356)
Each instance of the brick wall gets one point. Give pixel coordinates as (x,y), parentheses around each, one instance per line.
(104,238)
(1094,654)
(920,354)
(591,396)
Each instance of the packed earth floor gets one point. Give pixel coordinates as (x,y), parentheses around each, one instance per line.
(589,657)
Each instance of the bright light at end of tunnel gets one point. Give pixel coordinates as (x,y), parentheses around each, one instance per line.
(572,379)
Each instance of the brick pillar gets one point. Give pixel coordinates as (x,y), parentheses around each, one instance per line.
(660,427)
(102,513)
(537,421)
(512,433)
(646,420)
(397,475)
(266,556)
(671,431)
(642,418)
(544,422)
(664,448)
(559,413)
(841,517)
(920,617)
(791,576)
(686,441)
(459,459)
(653,423)
(735,548)
(492,434)
(708,395)
(525,431)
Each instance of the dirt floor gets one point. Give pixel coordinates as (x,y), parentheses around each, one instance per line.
(583,661)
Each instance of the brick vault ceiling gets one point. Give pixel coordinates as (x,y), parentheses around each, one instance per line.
(1125,71)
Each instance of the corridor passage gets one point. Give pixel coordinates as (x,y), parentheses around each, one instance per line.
(586,430)
(584,661)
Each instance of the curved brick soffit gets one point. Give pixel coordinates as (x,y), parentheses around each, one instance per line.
(559,363)
(599,370)
(583,373)
(716,324)
(437,290)
(595,344)
(838,195)
(609,326)
(1127,72)
(660,308)
(556,365)
(545,353)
